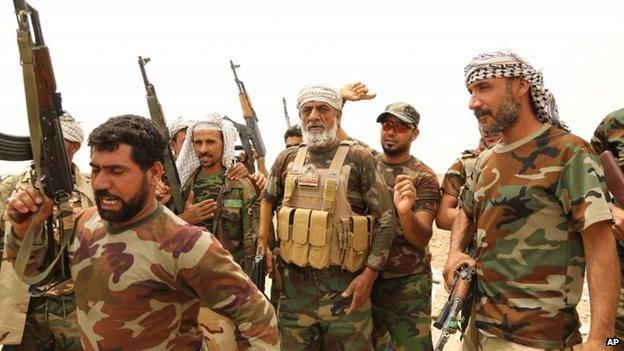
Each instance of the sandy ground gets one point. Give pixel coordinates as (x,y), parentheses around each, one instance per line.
(439,250)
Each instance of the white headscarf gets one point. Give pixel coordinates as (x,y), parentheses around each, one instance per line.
(320,92)
(177,125)
(506,63)
(71,129)
(187,162)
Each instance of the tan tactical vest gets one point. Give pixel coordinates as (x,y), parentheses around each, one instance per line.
(315,224)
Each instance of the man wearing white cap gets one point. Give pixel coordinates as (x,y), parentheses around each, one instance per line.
(228,208)
(335,226)
(46,322)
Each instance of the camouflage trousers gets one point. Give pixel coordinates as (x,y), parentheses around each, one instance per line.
(402,310)
(51,324)
(312,312)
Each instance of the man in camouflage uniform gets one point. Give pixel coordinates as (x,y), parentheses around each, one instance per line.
(402,294)
(140,271)
(540,208)
(47,322)
(328,307)
(207,152)
(456,177)
(227,208)
(609,135)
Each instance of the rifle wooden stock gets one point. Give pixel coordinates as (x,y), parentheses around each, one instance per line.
(614,176)
(246,106)
(46,83)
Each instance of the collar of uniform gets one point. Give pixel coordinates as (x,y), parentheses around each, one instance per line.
(498,148)
(109,228)
(216,178)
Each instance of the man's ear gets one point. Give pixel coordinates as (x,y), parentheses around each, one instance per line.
(415,134)
(155,173)
(522,87)
(338,117)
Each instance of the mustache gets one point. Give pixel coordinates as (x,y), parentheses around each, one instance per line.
(104,193)
(205,154)
(314,124)
(480,112)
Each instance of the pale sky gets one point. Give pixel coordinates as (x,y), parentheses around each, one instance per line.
(404,51)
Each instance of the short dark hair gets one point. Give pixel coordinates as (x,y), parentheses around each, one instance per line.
(293,131)
(148,144)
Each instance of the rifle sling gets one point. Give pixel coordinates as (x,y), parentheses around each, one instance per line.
(30,87)
(217,215)
(23,255)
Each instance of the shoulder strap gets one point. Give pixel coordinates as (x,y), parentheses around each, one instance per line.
(340,156)
(297,166)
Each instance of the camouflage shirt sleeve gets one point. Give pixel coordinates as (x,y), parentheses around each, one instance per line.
(581,189)
(274,191)
(609,135)
(379,204)
(427,193)
(454,179)
(221,284)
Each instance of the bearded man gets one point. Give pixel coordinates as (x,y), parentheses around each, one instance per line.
(402,293)
(539,203)
(140,272)
(335,226)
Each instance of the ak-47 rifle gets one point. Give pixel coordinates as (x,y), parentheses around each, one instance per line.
(447,321)
(614,176)
(251,132)
(286,113)
(52,167)
(157,116)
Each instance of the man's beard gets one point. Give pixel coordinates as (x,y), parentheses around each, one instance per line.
(396,150)
(507,115)
(129,209)
(321,139)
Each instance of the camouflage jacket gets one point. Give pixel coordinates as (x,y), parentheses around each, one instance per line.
(531,201)
(367,193)
(405,258)
(140,287)
(238,223)
(609,135)
(14,300)
(459,172)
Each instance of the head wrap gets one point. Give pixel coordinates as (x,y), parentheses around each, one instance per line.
(177,125)
(508,64)
(187,162)
(321,93)
(71,129)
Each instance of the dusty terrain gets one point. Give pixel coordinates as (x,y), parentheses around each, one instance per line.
(439,250)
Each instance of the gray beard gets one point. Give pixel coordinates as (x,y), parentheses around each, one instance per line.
(320,139)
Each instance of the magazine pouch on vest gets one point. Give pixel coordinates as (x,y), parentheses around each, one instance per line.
(316,226)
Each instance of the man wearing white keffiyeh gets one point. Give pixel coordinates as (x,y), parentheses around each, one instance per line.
(508,64)
(227,208)
(536,210)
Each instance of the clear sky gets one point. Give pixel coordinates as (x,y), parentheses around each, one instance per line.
(412,51)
